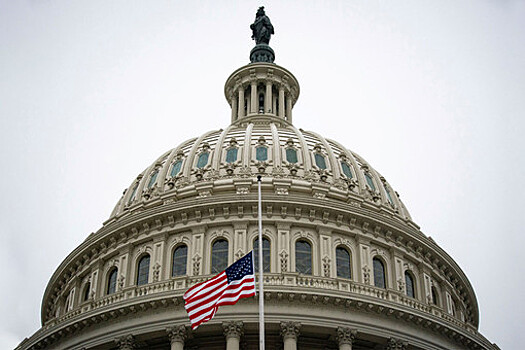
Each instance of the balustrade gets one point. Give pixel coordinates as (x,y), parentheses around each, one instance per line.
(273,281)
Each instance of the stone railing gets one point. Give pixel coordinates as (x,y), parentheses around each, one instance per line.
(296,282)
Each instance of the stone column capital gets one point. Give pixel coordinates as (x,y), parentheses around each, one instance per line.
(177,333)
(233,329)
(126,342)
(346,335)
(290,329)
(396,344)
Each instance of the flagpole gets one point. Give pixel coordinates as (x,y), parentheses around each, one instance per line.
(261,288)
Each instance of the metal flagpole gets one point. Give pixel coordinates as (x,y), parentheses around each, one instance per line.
(261,288)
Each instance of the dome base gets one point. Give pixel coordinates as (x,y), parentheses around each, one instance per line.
(262,53)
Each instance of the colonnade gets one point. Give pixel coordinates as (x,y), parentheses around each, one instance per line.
(279,104)
(234,330)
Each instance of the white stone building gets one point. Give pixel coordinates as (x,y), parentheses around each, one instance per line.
(346,267)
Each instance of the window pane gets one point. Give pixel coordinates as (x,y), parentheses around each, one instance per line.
(132,197)
(291,155)
(389,197)
(219,256)
(231,155)
(434,296)
(343,263)
(203,160)
(261,153)
(319,161)
(303,257)
(143,271)
(87,291)
(176,168)
(379,274)
(370,182)
(346,169)
(409,285)
(266,255)
(179,261)
(112,282)
(153,178)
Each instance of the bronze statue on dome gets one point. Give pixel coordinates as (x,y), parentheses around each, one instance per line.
(262,28)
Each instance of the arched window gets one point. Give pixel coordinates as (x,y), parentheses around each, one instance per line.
(231,155)
(303,257)
(370,182)
(320,161)
(66,303)
(453,307)
(342,257)
(87,292)
(346,170)
(143,271)
(379,273)
(388,195)
(112,281)
(175,169)
(261,103)
(180,255)
(219,256)
(203,160)
(266,255)
(409,285)
(153,178)
(133,191)
(261,153)
(291,155)
(435,296)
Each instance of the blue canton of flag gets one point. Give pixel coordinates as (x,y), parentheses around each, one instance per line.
(241,268)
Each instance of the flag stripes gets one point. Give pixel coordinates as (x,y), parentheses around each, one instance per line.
(203,299)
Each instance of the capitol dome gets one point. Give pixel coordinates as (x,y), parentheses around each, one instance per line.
(345,265)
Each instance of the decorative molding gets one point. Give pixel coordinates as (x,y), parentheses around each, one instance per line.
(126,342)
(177,334)
(284,260)
(156,272)
(366,274)
(396,344)
(326,266)
(233,329)
(290,329)
(345,335)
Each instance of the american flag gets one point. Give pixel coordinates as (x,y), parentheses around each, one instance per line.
(236,282)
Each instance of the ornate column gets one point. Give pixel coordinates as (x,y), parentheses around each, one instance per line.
(235,108)
(290,333)
(289,108)
(268,97)
(396,344)
(233,330)
(177,335)
(345,337)
(281,101)
(240,105)
(126,342)
(253,97)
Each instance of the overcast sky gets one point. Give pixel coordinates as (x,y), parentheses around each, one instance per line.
(430,93)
